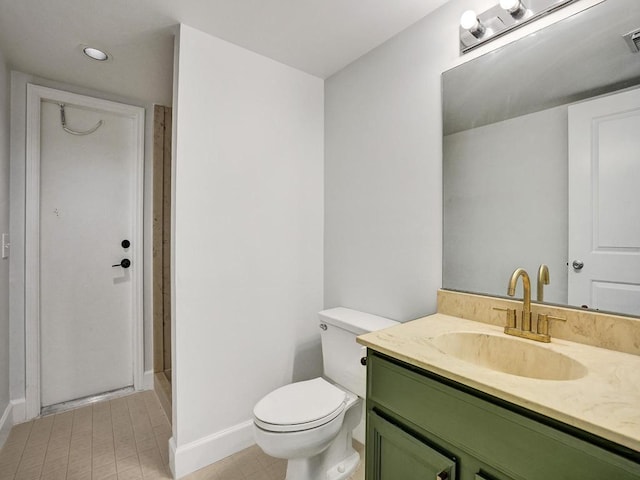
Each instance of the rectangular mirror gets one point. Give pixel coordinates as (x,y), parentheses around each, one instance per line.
(541,163)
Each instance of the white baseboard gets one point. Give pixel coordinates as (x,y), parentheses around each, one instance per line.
(147,380)
(6,422)
(19,407)
(172,457)
(188,458)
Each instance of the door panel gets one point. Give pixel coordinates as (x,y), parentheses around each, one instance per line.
(87,200)
(615,296)
(604,202)
(398,455)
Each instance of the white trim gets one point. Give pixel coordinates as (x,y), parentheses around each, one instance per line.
(172,456)
(198,454)
(19,410)
(35,95)
(147,380)
(32,257)
(6,422)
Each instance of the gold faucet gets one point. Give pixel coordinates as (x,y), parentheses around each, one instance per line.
(526,300)
(525,331)
(543,279)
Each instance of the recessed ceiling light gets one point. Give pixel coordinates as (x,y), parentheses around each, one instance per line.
(95,53)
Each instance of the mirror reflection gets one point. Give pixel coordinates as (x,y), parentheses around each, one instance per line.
(542,163)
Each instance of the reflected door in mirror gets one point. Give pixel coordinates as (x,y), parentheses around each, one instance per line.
(604,203)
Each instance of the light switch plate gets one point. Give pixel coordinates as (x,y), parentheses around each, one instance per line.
(5,245)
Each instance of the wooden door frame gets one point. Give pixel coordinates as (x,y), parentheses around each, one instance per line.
(162,128)
(35,95)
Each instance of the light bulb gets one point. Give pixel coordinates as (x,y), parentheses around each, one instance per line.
(511,6)
(469,20)
(508,4)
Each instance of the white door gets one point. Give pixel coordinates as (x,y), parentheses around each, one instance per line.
(88,201)
(604,203)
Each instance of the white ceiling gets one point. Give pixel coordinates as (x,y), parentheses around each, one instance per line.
(320,37)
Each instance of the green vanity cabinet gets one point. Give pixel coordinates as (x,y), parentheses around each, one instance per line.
(421,426)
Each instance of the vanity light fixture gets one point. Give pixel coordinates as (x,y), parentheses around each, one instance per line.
(503,18)
(95,53)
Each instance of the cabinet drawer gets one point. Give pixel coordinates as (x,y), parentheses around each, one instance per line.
(519,447)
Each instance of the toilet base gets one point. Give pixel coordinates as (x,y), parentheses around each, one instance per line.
(338,462)
(304,469)
(346,468)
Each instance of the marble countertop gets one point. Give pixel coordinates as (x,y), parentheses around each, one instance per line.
(605,402)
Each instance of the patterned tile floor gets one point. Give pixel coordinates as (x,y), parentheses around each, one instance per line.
(253,464)
(124,438)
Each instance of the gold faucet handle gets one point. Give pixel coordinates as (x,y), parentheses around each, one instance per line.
(543,322)
(511,316)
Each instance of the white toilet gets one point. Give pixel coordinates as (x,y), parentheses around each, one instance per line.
(310,423)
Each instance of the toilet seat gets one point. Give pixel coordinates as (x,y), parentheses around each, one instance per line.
(300,406)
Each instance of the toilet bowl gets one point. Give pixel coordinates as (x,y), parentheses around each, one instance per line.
(310,423)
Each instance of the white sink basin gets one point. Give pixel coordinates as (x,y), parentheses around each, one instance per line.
(510,355)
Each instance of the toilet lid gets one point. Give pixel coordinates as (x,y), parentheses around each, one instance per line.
(300,406)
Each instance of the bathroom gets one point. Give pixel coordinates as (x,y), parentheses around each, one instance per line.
(348,214)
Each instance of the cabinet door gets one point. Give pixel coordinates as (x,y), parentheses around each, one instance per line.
(484,476)
(393,454)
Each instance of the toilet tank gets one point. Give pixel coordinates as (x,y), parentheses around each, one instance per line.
(341,354)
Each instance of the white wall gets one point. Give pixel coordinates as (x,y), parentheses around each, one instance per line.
(17,261)
(383,166)
(5,413)
(383,169)
(248,240)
